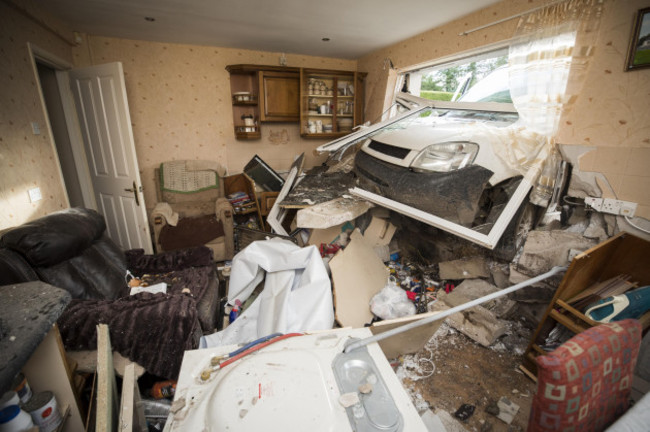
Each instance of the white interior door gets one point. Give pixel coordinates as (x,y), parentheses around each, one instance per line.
(103,110)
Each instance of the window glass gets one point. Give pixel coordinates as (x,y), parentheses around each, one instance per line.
(479,78)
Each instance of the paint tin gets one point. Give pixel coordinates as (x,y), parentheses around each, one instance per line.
(44,411)
(21,386)
(13,419)
(9,398)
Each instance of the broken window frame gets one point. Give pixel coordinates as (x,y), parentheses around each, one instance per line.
(489,240)
(414,105)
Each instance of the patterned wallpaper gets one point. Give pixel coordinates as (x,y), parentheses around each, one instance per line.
(180,102)
(26,160)
(611,114)
(179,98)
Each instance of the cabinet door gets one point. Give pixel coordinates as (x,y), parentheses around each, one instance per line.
(279,96)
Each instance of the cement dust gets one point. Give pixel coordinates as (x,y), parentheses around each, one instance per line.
(452,370)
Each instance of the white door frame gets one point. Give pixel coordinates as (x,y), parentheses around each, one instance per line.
(61,67)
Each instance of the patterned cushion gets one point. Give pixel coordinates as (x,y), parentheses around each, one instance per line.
(585,384)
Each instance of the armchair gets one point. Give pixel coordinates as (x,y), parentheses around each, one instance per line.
(192,210)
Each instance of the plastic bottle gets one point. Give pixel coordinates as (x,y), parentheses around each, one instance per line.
(234,313)
(543,190)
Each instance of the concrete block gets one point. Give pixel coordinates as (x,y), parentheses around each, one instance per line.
(541,292)
(470,268)
(544,250)
(500,275)
(472,289)
(478,323)
(531,313)
(597,228)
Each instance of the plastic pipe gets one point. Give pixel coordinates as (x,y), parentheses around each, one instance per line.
(446,313)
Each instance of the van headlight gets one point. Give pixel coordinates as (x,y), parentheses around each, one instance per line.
(445,157)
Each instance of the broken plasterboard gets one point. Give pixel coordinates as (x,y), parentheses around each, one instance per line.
(332,213)
(408,342)
(357,275)
(379,232)
(328,235)
(276,215)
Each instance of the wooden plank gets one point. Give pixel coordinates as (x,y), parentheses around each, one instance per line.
(107,400)
(528,373)
(576,313)
(539,350)
(47,370)
(131,412)
(628,259)
(586,269)
(408,342)
(567,322)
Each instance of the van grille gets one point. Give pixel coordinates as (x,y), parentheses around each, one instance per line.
(396,152)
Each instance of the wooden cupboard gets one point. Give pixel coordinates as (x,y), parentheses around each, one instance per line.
(331,102)
(264,94)
(279,96)
(244,88)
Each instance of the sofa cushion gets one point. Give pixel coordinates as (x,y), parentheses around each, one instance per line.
(89,275)
(14,269)
(586,383)
(190,232)
(55,238)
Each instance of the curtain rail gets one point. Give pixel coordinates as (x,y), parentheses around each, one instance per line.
(493,23)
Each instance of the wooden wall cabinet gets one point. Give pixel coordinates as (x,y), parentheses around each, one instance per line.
(331,102)
(244,90)
(279,96)
(264,94)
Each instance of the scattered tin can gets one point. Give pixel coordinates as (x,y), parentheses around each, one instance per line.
(9,398)
(21,386)
(13,419)
(44,411)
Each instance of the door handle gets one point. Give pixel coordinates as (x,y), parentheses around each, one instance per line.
(134,189)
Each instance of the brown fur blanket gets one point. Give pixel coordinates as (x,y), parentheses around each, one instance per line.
(151,329)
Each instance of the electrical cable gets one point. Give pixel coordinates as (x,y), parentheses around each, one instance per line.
(574,201)
(257,347)
(252,344)
(628,220)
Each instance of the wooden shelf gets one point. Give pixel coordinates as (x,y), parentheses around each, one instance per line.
(281,94)
(342,90)
(621,254)
(245,103)
(248,135)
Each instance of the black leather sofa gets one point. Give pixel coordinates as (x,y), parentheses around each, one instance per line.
(69,249)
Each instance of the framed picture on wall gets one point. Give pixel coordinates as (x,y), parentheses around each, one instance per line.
(638,55)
